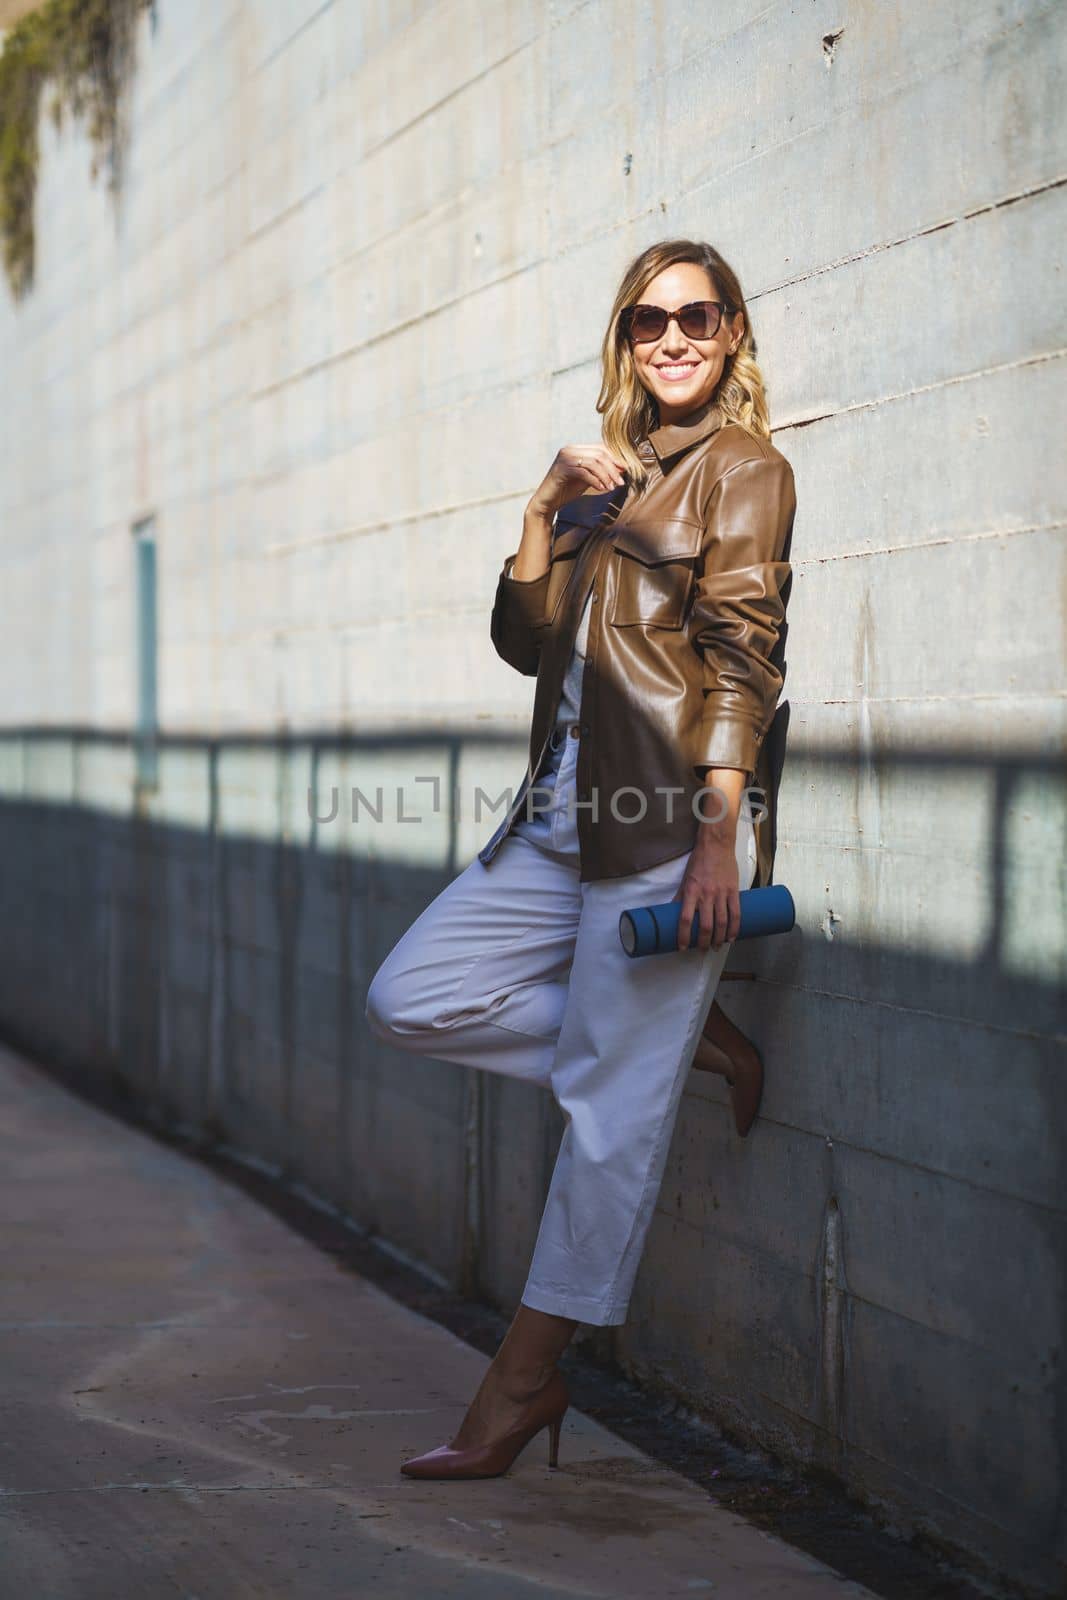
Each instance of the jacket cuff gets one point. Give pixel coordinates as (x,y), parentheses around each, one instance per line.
(727,742)
(518,618)
(527,595)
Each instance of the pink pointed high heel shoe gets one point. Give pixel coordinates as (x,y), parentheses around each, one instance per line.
(546,1410)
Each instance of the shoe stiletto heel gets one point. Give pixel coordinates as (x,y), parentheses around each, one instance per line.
(724,1049)
(546,1410)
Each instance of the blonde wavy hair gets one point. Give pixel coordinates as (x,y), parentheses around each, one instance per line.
(630,413)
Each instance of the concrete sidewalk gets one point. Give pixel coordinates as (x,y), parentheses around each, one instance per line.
(199,1404)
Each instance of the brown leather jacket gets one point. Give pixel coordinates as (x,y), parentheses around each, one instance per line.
(685,657)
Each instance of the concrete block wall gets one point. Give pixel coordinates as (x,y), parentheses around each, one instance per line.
(348,308)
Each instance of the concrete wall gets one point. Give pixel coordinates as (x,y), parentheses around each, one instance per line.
(348,309)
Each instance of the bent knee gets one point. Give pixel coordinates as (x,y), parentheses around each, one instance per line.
(391,1009)
(384,1007)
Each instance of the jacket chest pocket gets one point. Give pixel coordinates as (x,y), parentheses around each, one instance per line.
(654,570)
(566,543)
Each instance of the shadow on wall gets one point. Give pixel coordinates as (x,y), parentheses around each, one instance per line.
(893,1232)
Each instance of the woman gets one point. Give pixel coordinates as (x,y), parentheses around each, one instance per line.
(647,597)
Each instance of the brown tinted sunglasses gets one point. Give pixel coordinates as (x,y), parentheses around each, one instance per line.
(700,319)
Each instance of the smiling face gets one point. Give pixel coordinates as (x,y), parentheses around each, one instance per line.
(682,373)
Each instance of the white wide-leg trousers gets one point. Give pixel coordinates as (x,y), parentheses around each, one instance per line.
(517,967)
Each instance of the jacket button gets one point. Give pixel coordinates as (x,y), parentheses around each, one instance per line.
(594,597)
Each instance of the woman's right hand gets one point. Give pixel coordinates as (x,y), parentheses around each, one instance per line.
(576,467)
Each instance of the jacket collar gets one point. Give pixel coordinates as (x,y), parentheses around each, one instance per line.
(673,437)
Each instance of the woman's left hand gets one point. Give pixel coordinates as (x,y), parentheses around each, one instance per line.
(711,887)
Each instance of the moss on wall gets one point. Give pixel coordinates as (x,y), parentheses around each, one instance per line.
(82,52)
